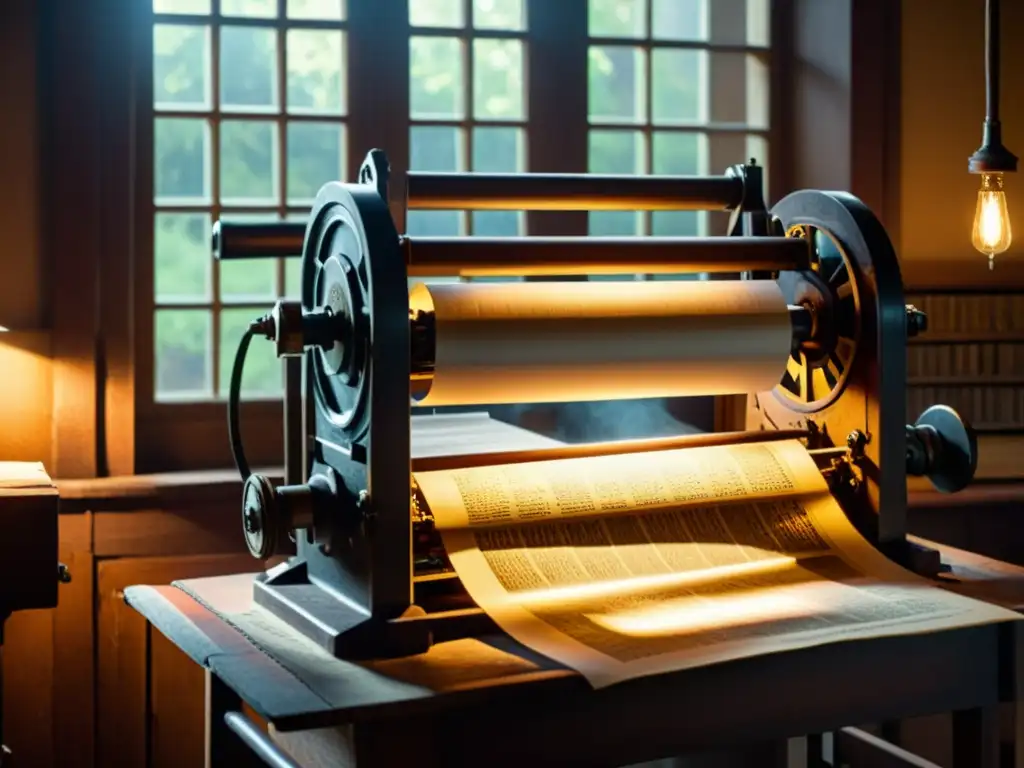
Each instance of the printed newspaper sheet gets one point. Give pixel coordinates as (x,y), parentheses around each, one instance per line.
(623,566)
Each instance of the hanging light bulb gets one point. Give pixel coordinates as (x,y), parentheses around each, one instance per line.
(991,233)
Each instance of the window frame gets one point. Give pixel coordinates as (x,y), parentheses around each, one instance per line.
(136,434)
(192,434)
(467,36)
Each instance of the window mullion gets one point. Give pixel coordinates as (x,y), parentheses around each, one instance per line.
(557,102)
(725,84)
(378,90)
(215,208)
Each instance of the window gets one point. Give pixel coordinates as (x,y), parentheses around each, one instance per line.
(249,122)
(675,87)
(467,102)
(254,104)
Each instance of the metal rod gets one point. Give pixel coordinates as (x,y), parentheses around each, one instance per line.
(294,438)
(271,240)
(571,192)
(477,256)
(616,448)
(840,450)
(258,741)
(992,60)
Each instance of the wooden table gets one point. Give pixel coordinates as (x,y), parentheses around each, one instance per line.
(490,701)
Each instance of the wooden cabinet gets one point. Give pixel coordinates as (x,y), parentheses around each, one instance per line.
(87,684)
(141,676)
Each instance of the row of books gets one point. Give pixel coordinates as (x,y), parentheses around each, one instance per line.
(987,408)
(982,313)
(1003,360)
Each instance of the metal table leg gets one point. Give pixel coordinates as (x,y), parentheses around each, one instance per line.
(976,738)
(223,748)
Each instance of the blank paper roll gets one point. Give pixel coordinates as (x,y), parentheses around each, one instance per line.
(577,341)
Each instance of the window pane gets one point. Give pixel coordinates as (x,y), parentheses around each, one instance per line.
(248,162)
(436,13)
(243,281)
(326,10)
(181,66)
(682,154)
(677,153)
(181,172)
(678,87)
(263,375)
(182,257)
(614,223)
(746,101)
(679,20)
(183,350)
(499,14)
(259,9)
(758,22)
(740,22)
(498,150)
(293,278)
(497,223)
(181,6)
(616,84)
(434,223)
(616,152)
(435,148)
(293,266)
(315,82)
(498,79)
(758,90)
(676,223)
(435,78)
(617,18)
(316,155)
(757,149)
(248,77)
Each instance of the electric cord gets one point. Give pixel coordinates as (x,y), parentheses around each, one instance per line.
(234,396)
(264,326)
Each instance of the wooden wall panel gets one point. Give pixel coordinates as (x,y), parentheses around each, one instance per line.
(26,394)
(72,201)
(177,721)
(74,645)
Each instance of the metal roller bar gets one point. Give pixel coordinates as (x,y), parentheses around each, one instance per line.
(254,738)
(570,192)
(615,448)
(271,240)
(477,256)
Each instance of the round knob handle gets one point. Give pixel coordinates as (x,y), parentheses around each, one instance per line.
(260,517)
(943,447)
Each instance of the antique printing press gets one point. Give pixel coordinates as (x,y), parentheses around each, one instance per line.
(370,577)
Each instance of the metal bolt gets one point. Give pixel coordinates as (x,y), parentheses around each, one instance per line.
(363,504)
(251,520)
(856,441)
(917,321)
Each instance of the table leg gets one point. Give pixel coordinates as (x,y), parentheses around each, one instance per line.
(223,748)
(1013,688)
(976,738)
(816,751)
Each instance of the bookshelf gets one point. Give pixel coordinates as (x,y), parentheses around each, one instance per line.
(972,359)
